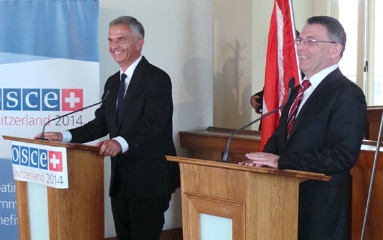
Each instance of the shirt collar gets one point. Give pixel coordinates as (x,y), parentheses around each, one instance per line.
(131,68)
(317,78)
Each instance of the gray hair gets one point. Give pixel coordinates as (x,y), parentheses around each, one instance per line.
(334,28)
(136,26)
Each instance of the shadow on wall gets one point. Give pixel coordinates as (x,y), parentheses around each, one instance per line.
(231,104)
(194,111)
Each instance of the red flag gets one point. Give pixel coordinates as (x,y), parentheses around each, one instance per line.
(281,65)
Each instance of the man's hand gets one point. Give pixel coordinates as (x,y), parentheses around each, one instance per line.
(109,148)
(254,101)
(261,159)
(51,136)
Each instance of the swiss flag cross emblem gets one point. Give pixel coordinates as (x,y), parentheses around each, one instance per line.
(72,99)
(55,161)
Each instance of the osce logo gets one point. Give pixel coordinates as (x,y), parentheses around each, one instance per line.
(37,158)
(40,99)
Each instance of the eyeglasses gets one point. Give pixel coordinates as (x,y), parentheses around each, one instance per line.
(311,41)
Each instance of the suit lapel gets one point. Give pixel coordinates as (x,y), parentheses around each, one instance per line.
(112,100)
(315,97)
(134,83)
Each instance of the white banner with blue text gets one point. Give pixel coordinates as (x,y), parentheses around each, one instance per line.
(40,164)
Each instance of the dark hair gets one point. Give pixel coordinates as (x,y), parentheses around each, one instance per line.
(132,22)
(334,28)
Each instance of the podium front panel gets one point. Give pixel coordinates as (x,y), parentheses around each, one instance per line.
(255,203)
(73,213)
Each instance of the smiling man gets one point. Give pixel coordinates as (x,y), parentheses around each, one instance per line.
(320,130)
(137,114)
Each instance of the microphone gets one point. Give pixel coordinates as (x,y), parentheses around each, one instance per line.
(42,137)
(226,152)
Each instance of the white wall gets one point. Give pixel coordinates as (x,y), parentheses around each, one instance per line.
(178,39)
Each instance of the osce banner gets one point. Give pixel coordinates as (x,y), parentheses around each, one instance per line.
(40,164)
(8,217)
(48,67)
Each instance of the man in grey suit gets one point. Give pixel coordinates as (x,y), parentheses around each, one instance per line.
(141,181)
(325,136)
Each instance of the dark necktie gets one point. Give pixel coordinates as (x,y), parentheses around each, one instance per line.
(294,107)
(120,96)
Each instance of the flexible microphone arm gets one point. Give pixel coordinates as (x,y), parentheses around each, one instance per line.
(226,152)
(42,137)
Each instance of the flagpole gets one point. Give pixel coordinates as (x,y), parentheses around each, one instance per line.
(294,31)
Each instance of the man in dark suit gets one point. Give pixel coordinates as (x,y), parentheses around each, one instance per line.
(141,181)
(326,135)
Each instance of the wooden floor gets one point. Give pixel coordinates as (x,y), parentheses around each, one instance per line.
(171,234)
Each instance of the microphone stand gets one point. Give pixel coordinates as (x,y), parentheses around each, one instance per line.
(226,152)
(372,179)
(42,137)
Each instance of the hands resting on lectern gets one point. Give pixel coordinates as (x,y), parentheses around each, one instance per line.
(261,159)
(109,147)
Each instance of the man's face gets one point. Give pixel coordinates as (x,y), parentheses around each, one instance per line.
(317,56)
(123,47)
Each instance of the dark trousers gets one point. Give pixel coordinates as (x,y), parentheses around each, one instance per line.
(139,219)
(324,209)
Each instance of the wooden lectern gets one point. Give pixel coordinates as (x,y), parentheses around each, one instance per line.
(76,212)
(261,202)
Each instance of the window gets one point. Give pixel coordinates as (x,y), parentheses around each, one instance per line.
(362,62)
(378,58)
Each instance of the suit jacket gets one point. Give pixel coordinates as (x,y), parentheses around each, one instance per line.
(325,138)
(141,172)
